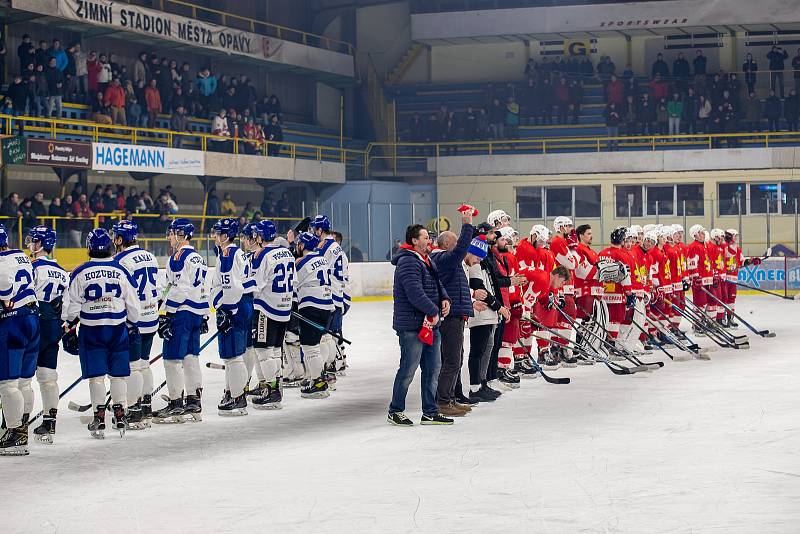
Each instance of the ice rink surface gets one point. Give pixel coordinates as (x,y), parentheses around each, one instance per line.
(696,447)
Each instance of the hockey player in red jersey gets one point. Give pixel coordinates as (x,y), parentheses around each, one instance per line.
(587,287)
(716,255)
(733,262)
(618,296)
(563,247)
(699,267)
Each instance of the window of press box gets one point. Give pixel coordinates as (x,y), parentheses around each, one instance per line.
(587,201)
(529,200)
(732,198)
(660,199)
(691,196)
(558,201)
(628,201)
(790,197)
(764,197)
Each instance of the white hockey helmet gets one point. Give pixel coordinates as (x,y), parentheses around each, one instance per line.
(667,231)
(652,236)
(631,233)
(717,233)
(678,228)
(495,218)
(561,222)
(732,231)
(695,231)
(508,233)
(648,228)
(541,231)
(636,229)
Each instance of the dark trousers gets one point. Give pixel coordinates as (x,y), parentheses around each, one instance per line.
(491,371)
(480,350)
(452,333)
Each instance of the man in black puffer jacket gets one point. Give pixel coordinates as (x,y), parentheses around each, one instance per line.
(449,256)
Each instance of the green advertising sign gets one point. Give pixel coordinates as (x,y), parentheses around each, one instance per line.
(14,150)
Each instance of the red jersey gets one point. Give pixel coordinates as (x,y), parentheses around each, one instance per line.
(537,290)
(640,274)
(614,293)
(733,262)
(698,264)
(678,250)
(660,270)
(717,258)
(527,255)
(586,282)
(547,261)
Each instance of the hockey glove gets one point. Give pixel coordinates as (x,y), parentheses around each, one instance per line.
(572,239)
(224,321)
(752,261)
(165,327)
(70,340)
(57,304)
(133,330)
(715,283)
(686,285)
(204,326)
(554,301)
(630,301)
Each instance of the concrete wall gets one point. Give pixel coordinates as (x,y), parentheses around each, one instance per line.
(383,32)
(299,170)
(371,279)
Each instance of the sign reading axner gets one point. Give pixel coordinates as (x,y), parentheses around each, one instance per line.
(136,158)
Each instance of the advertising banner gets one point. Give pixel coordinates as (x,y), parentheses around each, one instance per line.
(54,153)
(154,159)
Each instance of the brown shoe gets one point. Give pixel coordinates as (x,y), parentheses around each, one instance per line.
(449,410)
(466,408)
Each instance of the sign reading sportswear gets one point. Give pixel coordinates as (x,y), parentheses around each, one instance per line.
(161,25)
(137,158)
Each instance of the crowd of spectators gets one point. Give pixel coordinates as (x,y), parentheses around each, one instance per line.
(136,95)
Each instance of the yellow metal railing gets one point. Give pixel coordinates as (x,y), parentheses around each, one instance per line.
(159,136)
(255,26)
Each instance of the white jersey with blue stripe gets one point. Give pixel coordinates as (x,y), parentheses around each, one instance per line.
(142,267)
(227,286)
(50,279)
(186,271)
(338,264)
(249,285)
(102,294)
(16,280)
(312,286)
(274,275)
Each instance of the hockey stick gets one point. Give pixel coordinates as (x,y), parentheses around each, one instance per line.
(678,333)
(762,333)
(745,286)
(203,346)
(641,366)
(713,325)
(72,326)
(698,324)
(535,364)
(704,323)
(321,328)
(652,339)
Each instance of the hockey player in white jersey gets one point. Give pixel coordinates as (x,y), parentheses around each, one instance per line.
(186,318)
(103,295)
(312,292)
(50,282)
(19,339)
(338,268)
(142,267)
(250,247)
(274,274)
(234,314)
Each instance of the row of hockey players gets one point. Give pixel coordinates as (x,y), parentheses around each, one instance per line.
(645,272)
(279,309)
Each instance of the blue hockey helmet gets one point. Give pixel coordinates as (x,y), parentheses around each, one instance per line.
(44,235)
(181,227)
(3,235)
(309,240)
(98,240)
(321,222)
(248,230)
(266,230)
(228,227)
(127,230)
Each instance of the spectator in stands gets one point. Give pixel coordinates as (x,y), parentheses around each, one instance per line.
(228,206)
(605,69)
(104,74)
(178,122)
(132,106)
(26,52)
(632,87)
(527,101)
(796,69)
(662,116)
(416,132)
(704,111)
(29,219)
(512,117)
(164,84)
(734,88)
(647,114)
(752,113)
(699,64)
(11,209)
(791,110)
(81,72)
(18,93)
(71,83)
(772,112)
(81,210)
(219,127)
(141,69)
(58,209)
(254,137)
(133,201)
(57,53)
(229,99)
(273,134)
(179,99)
(268,205)
(212,203)
(615,91)
(93,69)
(545,98)
(153,100)
(284,208)
(629,116)
(681,71)
(37,204)
(627,74)
(114,98)
(717,122)
(575,99)
(689,118)
(41,55)
(55,88)
(750,68)
(776,57)
(101,113)
(207,88)
(235,127)
(658,88)
(674,114)
(660,67)
(731,122)
(613,120)
(497,118)
(562,97)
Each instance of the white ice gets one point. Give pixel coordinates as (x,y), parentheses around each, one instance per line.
(696,447)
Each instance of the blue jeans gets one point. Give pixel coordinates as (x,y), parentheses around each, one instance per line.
(414,353)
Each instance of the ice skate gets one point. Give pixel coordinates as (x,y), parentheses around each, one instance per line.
(232,407)
(193,408)
(136,419)
(171,413)
(550,361)
(330,375)
(271,397)
(14,442)
(147,407)
(44,433)
(119,420)
(497,385)
(291,382)
(527,370)
(314,388)
(508,378)
(97,427)
(257,391)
